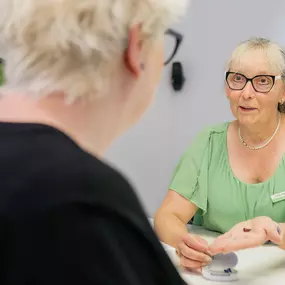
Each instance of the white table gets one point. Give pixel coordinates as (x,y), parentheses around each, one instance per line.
(264,265)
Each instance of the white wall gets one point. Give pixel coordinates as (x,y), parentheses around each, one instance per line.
(148,153)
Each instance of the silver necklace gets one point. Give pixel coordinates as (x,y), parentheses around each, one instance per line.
(264,144)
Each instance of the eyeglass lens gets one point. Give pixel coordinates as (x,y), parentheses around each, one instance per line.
(261,83)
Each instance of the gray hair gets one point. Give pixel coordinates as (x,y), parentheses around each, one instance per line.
(275,54)
(73,45)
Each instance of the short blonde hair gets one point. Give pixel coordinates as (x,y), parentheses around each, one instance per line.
(73,45)
(275,54)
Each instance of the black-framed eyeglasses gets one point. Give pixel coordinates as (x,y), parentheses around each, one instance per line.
(262,83)
(176,39)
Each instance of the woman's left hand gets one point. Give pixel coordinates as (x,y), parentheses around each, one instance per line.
(248,234)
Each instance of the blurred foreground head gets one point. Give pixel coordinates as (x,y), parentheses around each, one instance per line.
(87,51)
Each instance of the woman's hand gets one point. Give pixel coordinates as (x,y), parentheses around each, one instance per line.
(193,252)
(248,234)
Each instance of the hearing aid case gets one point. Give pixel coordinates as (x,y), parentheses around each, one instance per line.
(222,268)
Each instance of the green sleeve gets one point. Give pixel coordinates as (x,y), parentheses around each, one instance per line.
(190,177)
(1,74)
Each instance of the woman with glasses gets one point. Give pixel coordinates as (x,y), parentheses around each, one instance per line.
(77,75)
(232,177)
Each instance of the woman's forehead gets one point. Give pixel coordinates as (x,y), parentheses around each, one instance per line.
(257,61)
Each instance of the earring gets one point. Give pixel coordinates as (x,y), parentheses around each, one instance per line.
(142,66)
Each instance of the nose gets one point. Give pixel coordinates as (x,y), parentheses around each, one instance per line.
(248,92)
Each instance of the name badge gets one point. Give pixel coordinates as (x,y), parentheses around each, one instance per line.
(278,197)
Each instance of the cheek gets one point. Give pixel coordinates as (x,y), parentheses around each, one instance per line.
(233,96)
(269,100)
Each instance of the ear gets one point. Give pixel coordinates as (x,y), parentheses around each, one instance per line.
(132,56)
(282,97)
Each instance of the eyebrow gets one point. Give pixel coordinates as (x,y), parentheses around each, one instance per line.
(256,74)
(263,72)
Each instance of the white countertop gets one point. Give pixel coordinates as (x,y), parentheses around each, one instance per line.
(264,265)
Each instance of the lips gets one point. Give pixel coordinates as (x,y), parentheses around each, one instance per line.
(247,108)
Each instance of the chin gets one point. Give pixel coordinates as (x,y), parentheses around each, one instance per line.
(246,120)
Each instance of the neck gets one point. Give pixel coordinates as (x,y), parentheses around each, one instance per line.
(93,126)
(258,133)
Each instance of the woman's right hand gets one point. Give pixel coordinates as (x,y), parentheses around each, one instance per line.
(193,252)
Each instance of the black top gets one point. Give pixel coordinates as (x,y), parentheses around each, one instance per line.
(68,218)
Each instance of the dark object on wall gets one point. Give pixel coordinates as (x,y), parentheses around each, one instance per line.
(177,77)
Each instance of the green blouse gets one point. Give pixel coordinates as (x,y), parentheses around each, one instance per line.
(204,177)
(1,73)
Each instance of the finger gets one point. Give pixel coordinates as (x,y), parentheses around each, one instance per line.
(221,245)
(247,241)
(226,235)
(205,243)
(234,236)
(200,240)
(191,264)
(196,243)
(241,244)
(274,233)
(217,245)
(195,270)
(193,254)
(199,270)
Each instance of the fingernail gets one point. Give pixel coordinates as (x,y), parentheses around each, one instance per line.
(208,259)
(278,230)
(209,252)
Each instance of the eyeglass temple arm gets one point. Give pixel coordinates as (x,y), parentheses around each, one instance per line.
(177,35)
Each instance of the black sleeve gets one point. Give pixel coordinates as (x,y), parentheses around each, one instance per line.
(92,245)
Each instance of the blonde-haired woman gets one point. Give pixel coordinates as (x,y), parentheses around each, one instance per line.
(77,74)
(233,174)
